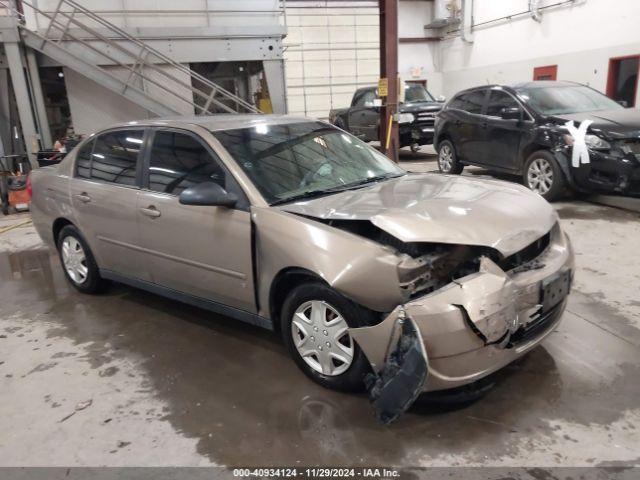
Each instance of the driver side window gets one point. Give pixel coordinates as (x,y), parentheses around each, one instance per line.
(179,161)
(366,98)
(499,100)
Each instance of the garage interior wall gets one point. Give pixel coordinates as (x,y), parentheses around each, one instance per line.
(580,38)
(418,60)
(332,48)
(187,31)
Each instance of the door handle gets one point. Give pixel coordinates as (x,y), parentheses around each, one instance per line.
(458,123)
(151,211)
(83,197)
(483,125)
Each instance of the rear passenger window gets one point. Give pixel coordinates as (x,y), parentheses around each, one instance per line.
(83,160)
(179,161)
(469,102)
(458,103)
(474,101)
(114,158)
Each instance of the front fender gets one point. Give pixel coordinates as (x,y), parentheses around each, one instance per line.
(360,269)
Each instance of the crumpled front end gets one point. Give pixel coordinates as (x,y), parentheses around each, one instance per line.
(477,324)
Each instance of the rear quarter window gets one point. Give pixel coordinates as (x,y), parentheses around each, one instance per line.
(115,156)
(83,160)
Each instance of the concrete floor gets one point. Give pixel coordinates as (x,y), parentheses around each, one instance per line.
(130,378)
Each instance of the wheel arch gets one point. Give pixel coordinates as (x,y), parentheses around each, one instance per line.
(560,158)
(58,224)
(441,138)
(284,281)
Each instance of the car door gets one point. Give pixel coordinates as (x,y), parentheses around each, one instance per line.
(203,251)
(364,115)
(104,193)
(502,135)
(467,124)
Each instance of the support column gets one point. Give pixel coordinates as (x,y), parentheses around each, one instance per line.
(21,91)
(389,141)
(274,71)
(38,98)
(5,127)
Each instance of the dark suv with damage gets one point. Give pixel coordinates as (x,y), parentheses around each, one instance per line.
(555,134)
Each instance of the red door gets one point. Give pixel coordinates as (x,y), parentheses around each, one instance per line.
(550,72)
(622,81)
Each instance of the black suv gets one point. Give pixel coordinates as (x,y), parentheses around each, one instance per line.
(520,129)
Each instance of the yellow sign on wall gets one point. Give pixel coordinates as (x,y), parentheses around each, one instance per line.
(383,87)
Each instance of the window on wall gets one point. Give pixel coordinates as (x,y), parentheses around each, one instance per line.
(622,84)
(179,161)
(549,72)
(115,156)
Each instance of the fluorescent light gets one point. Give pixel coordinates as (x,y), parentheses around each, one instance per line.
(159,169)
(98,155)
(134,140)
(262,128)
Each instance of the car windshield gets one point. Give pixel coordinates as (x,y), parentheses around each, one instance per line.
(416,93)
(297,160)
(554,100)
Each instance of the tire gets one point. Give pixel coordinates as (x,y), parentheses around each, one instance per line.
(78,262)
(447,158)
(543,175)
(333,374)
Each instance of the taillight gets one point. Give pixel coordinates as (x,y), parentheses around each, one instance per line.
(29,187)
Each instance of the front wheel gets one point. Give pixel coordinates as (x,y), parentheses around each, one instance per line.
(315,321)
(447,158)
(542,174)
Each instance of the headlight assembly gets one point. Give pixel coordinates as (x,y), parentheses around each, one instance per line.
(594,142)
(405,118)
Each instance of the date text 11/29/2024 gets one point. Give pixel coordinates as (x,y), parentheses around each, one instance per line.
(317,472)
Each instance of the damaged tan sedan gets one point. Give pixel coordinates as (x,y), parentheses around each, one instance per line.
(405,282)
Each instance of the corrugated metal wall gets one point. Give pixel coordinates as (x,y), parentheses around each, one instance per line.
(331,49)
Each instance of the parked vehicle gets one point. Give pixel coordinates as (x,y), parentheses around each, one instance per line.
(520,129)
(296,226)
(416,119)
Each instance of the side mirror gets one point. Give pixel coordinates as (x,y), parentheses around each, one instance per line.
(624,103)
(511,113)
(441,99)
(208,194)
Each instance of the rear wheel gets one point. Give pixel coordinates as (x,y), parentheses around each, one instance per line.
(543,175)
(447,158)
(78,263)
(315,322)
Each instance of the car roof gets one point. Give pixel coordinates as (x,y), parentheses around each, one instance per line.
(223,121)
(542,83)
(513,87)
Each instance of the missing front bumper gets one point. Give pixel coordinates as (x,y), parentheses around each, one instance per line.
(394,388)
(470,328)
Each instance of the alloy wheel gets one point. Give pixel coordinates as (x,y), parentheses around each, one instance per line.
(445,158)
(320,334)
(74,260)
(540,176)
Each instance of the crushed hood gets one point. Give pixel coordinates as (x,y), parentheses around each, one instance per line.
(619,123)
(442,209)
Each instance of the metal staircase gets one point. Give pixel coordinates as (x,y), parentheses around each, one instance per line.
(88,44)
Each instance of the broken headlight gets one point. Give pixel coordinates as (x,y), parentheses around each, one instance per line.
(435,266)
(593,142)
